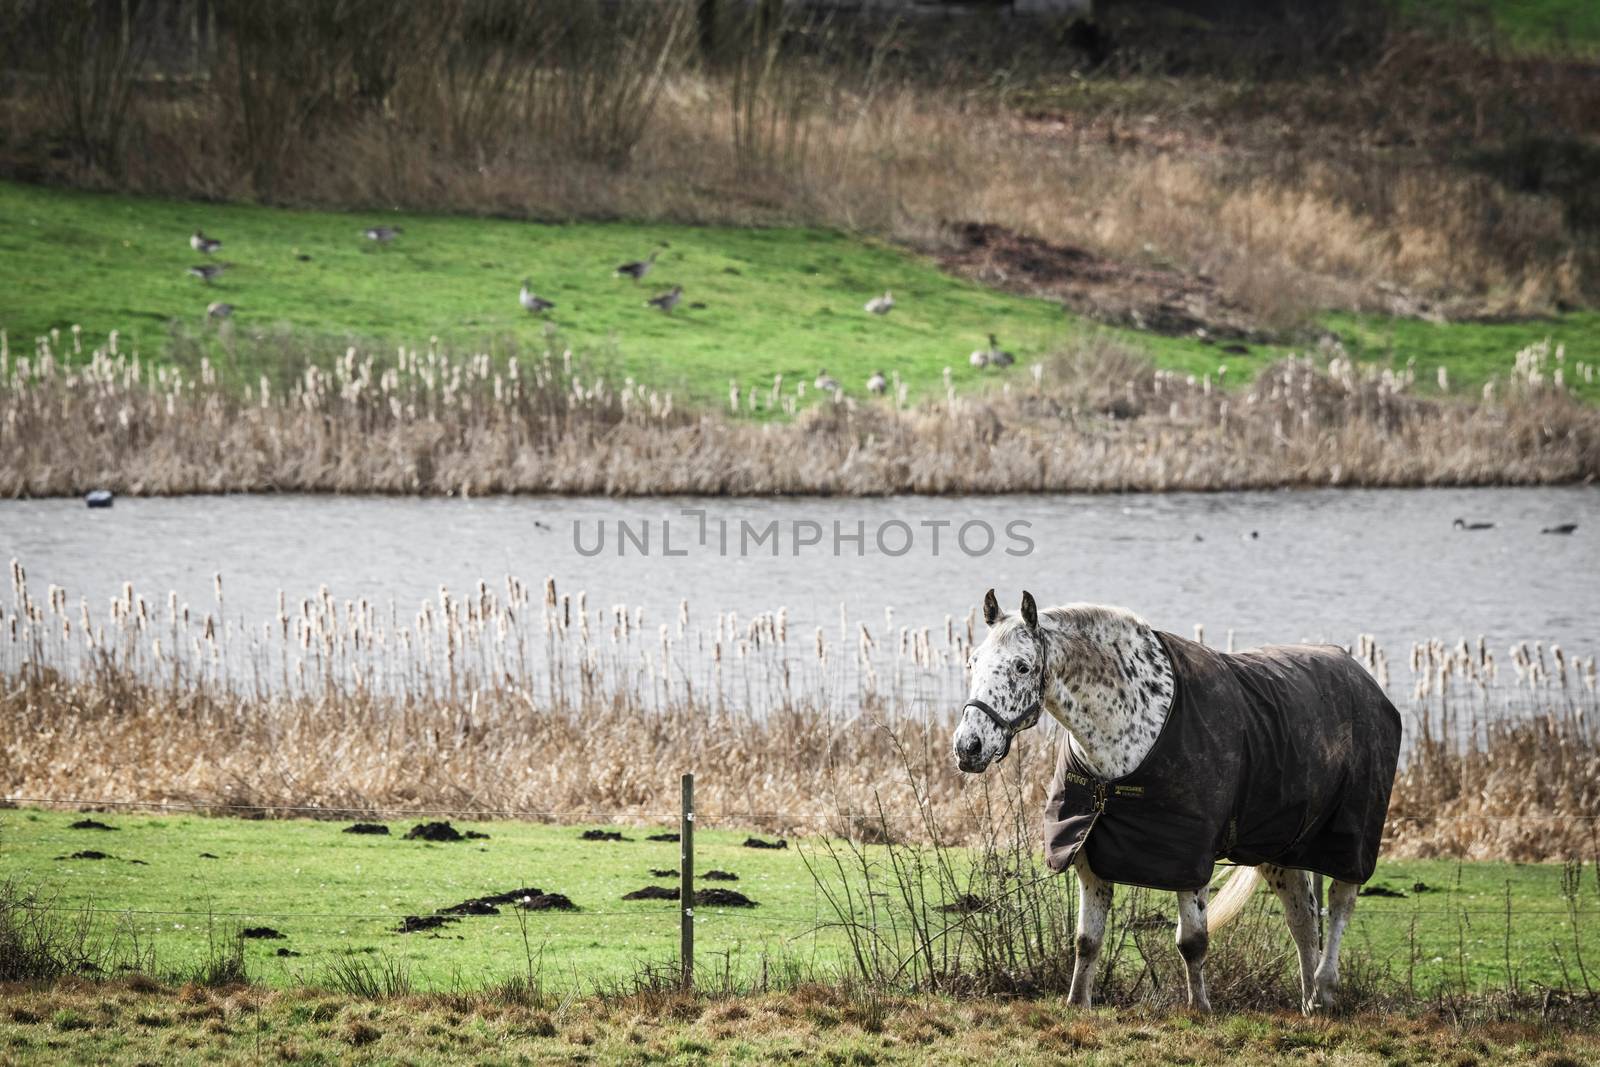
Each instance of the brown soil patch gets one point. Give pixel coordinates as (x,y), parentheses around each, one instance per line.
(476,906)
(547,902)
(663,837)
(652,892)
(720,876)
(435,831)
(88,854)
(414,923)
(603,835)
(724,898)
(367,828)
(261,933)
(965,904)
(711,898)
(756,842)
(663,872)
(1157,299)
(89,824)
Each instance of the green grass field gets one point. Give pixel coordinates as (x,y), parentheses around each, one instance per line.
(335,895)
(1532,25)
(776,301)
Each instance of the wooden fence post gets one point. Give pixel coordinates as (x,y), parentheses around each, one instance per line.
(686,883)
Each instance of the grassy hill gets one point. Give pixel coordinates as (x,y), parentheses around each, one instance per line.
(757,302)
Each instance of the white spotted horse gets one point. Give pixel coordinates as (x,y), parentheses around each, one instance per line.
(1280,760)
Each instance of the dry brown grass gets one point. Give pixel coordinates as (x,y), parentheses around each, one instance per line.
(501,701)
(1430,179)
(132,1021)
(1093,419)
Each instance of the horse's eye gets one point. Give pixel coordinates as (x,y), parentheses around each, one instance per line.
(1023,668)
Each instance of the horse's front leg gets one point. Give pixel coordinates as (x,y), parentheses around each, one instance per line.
(1094,903)
(1192,942)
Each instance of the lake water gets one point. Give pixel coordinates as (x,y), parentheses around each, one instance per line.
(1270,566)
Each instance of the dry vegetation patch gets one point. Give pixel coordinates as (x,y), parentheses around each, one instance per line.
(1096,418)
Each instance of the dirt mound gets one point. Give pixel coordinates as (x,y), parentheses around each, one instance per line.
(88,854)
(434,831)
(602,835)
(723,898)
(511,896)
(209,856)
(287,952)
(720,876)
(711,898)
(965,904)
(663,872)
(664,837)
(261,933)
(412,924)
(367,828)
(652,892)
(548,902)
(756,842)
(1379,891)
(475,906)
(89,824)
(1157,299)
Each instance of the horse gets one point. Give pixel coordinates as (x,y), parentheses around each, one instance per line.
(1175,756)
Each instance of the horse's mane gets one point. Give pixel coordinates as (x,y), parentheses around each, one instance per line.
(1081,618)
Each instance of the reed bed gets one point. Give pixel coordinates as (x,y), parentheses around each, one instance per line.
(1092,418)
(518,702)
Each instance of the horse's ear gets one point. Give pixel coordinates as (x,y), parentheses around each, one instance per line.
(1030,611)
(991,608)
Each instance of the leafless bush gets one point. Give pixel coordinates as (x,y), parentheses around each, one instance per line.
(92,54)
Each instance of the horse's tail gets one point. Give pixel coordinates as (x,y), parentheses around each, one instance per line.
(1232,897)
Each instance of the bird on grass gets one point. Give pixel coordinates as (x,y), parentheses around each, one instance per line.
(382,234)
(877,384)
(208,272)
(534,304)
(826,382)
(979,358)
(637,269)
(204,245)
(667,300)
(999,357)
(881,305)
(1564,528)
(219,310)
(1463,524)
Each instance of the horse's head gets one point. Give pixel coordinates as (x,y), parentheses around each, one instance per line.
(1007,692)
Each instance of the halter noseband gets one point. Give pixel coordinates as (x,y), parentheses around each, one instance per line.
(1025,719)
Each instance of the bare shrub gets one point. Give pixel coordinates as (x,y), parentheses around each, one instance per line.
(92,53)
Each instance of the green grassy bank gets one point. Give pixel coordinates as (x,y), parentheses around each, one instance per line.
(334,896)
(757,302)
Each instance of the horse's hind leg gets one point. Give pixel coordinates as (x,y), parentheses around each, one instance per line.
(1341,905)
(1094,902)
(1300,911)
(1192,941)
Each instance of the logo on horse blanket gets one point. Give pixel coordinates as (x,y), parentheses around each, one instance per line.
(1285,755)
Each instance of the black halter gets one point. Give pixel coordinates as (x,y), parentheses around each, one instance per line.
(1025,719)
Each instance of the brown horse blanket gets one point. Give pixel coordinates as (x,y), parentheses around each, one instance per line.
(1284,755)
